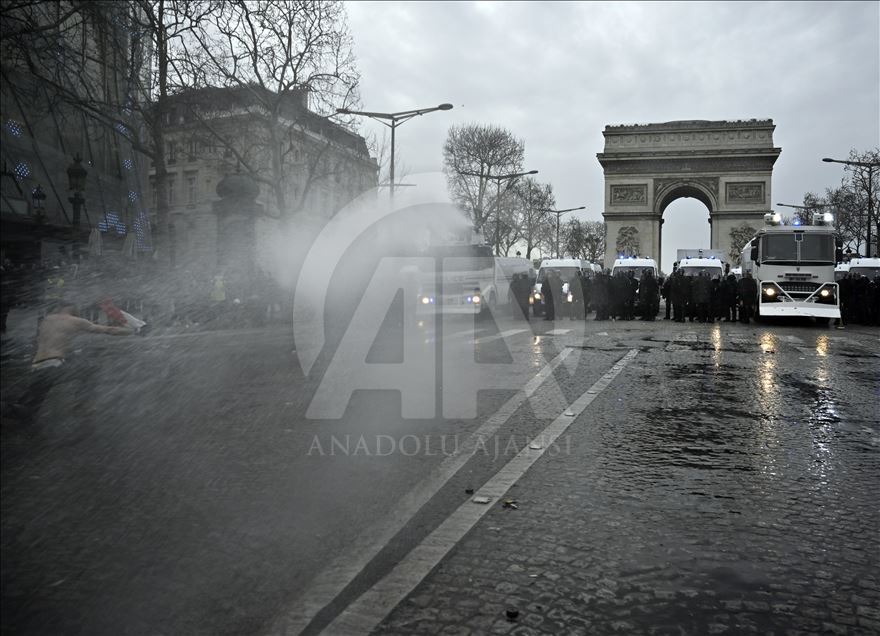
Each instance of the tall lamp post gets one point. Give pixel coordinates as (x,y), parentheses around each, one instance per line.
(76,175)
(559,214)
(498,179)
(39,200)
(870,165)
(393,120)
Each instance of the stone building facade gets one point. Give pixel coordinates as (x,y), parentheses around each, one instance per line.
(727,165)
(57,57)
(214,133)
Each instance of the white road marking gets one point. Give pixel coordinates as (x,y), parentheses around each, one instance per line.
(364,614)
(342,571)
(498,336)
(465,333)
(432,336)
(557,332)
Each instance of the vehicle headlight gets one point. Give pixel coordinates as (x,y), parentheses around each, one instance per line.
(537,296)
(769,291)
(824,293)
(476,298)
(425,300)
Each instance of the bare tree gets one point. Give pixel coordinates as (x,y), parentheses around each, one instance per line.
(584,239)
(594,241)
(535,223)
(485,151)
(573,239)
(293,63)
(849,203)
(850,220)
(862,188)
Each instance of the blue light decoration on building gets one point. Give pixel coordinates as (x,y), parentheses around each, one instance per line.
(122,128)
(128,164)
(112,222)
(132,196)
(23,170)
(14,127)
(141,226)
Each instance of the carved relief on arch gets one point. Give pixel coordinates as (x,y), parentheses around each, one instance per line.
(629,194)
(751,192)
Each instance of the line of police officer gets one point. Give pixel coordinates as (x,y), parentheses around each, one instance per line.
(708,299)
(623,296)
(859,299)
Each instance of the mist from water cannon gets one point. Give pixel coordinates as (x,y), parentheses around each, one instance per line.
(371,227)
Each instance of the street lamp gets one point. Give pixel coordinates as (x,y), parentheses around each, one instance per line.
(870,165)
(395,120)
(498,179)
(76,175)
(38,197)
(559,214)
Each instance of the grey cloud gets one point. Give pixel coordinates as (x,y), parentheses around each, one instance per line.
(557,73)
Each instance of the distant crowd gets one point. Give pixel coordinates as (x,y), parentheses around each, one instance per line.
(700,298)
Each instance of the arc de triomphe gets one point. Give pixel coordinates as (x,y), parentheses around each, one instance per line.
(727,165)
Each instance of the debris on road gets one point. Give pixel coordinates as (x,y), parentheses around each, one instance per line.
(510,503)
(481,500)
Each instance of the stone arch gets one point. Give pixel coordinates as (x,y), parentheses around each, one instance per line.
(727,165)
(675,189)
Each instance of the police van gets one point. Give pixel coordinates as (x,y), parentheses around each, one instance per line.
(566,268)
(635,265)
(868,267)
(697,266)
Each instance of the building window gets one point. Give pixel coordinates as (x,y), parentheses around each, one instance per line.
(191,188)
(193,149)
(171,197)
(172,152)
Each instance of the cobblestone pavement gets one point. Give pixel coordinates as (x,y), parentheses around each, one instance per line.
(724,480)
(723,484)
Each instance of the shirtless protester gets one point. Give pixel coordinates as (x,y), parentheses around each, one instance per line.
(54,340)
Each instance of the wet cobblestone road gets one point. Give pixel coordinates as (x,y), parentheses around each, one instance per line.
(724,481)
(724,484)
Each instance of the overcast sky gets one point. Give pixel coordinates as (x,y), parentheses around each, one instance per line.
(556,73)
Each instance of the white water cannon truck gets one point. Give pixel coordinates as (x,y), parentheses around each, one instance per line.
(794,268)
